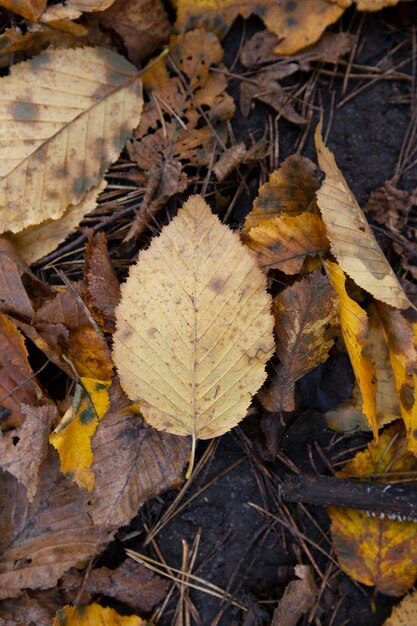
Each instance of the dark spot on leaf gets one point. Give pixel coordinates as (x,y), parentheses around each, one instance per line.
(130,433)
(69,475)
(81,185)
(15,440)
(100,386)
(291,5)
(24,111)
(121,139)
(4,413)
(216,284)
(62,618)
(407,396)
(291,22)
(38,61)
(87,416)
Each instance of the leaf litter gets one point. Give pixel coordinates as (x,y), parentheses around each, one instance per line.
(191,329)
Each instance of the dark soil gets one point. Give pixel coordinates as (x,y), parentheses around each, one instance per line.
(241,549)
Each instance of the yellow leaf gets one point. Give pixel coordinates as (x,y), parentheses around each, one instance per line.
(355,330)
(94,615)
(194,327)
(399,335)
(35,242)
(72,436)
(377,550)
(284,242)
(351,239)
(66,115)
(29,9)
(404,613)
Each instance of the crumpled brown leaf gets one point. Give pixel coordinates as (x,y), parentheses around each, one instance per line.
(183,120)
(299,596)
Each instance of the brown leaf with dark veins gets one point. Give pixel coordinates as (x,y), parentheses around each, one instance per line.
(23,450)
(131,583)
(306,323)
(100,288)
(17,382)
(182,121)
(64,524)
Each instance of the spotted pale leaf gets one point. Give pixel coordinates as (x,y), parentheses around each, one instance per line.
(65,116)
(194,327)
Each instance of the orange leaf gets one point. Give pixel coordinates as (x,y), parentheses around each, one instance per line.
(94,614)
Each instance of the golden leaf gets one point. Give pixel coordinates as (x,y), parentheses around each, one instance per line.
(355,330)
(351,239)
(377,550)
(72,436)
(399,335)
(37,241)
(194,327)
(306,315)
(66,115)
(94,614)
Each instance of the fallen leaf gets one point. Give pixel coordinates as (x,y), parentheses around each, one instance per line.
(373,5)
(23,450)
(390,206)
(36,38)
(100,288)
(60,18)
(18,385)
(306,320)
(400,336)
(291,190)
(130,583)
(94,614)
(72,436)
(195,319)
(284,242)
(229,160)
(183,120)
(377,550)
(37,241)
(26,611)
(143,26)
(87,6)
(70,113)
(65,524)
(404,613)
(355,331)
(299,597)
(351,239)
(29,9)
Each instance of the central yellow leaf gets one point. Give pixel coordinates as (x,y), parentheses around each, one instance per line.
(194,327)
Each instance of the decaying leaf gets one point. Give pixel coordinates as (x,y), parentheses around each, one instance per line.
(299,596)
(30,9)
(377,550)
(69,113)
(94,614)
(195,319)
(351,239)
(355,330)
(404,613)
(37,241)
(131,583)
(26,610)
(72,436)
(390,206)
(305,325)
(100,288)
(65,524)
(17,383)
(23,450)
(400,336)
(183,120)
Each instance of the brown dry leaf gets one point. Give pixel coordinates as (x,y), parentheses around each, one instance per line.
(69,113)
(60,18)
(195,318)
(306,320)
(298,23)
(291,190)
(29,9)
(377,550)
(229,160)
(28,611)
(182,122)
(400,335)
(36,38)
(404,613)
(92,615)
(349,416)
(390,206)
(284,242)
(351,239)
(65,524)
(299,597)
(23,450)
(100,288)
(355,331)
(35,242)
(142,24)
(17,383)
(131,583)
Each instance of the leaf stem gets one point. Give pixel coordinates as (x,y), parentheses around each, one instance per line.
(192,457)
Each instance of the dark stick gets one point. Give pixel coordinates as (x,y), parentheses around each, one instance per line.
(392,499)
